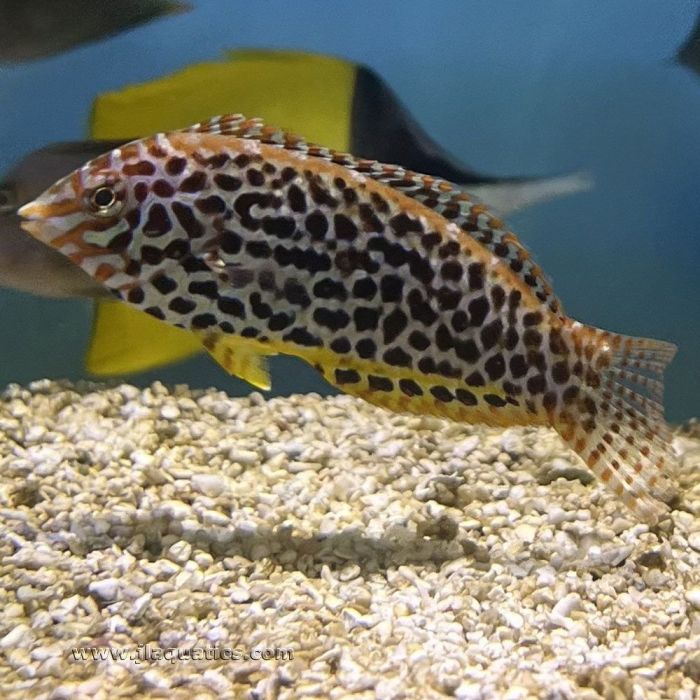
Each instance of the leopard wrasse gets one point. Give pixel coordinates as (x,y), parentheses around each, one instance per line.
(396,286)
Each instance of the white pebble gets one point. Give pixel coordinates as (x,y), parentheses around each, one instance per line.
(694,540)
(154,678)
(170,412)
(18,636)
(693,597)
(239,594)
(106,588)
(465,447)
(513,619)
(525,532)
(140,605)
(177,510)
(245,457)
(469,691)
(209,484)
(180,552)
(567,605)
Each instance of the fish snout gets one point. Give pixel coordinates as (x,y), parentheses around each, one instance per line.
(46,222)
(42,208)
(61,199)
(32,210)
(51,213)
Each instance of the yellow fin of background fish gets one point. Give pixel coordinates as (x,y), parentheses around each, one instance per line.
(241,357)
(298,91)
(302,92)
(125,340)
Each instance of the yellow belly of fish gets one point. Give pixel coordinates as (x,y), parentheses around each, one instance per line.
(397,401)
(246,359)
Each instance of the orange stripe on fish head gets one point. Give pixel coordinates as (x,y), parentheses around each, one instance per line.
(82,217)
(59,200)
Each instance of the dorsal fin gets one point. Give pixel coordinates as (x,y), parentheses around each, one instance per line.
(230,125)
(443,197)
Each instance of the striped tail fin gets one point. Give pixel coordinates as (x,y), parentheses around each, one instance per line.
(616,420)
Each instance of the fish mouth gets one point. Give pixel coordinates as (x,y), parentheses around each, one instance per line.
(43,231)
(32,210)
(36,221)
(32,227)
(34,215)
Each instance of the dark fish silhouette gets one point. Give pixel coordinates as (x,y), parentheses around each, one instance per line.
(384,130)
(689,53)
(31,29)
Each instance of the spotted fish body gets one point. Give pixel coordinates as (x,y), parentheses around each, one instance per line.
(396,287)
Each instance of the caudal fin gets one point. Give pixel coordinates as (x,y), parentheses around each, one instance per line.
(615,420)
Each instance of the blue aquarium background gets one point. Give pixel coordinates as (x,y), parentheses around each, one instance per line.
(536,88)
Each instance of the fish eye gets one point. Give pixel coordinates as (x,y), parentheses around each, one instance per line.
(104,192)
(103,199)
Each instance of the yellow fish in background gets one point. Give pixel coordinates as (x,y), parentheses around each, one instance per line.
(342,105)
(300,90)
(346,106)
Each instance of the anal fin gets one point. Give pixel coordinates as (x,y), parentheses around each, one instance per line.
(241,357)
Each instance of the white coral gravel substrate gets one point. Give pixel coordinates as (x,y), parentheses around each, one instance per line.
(396,556)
